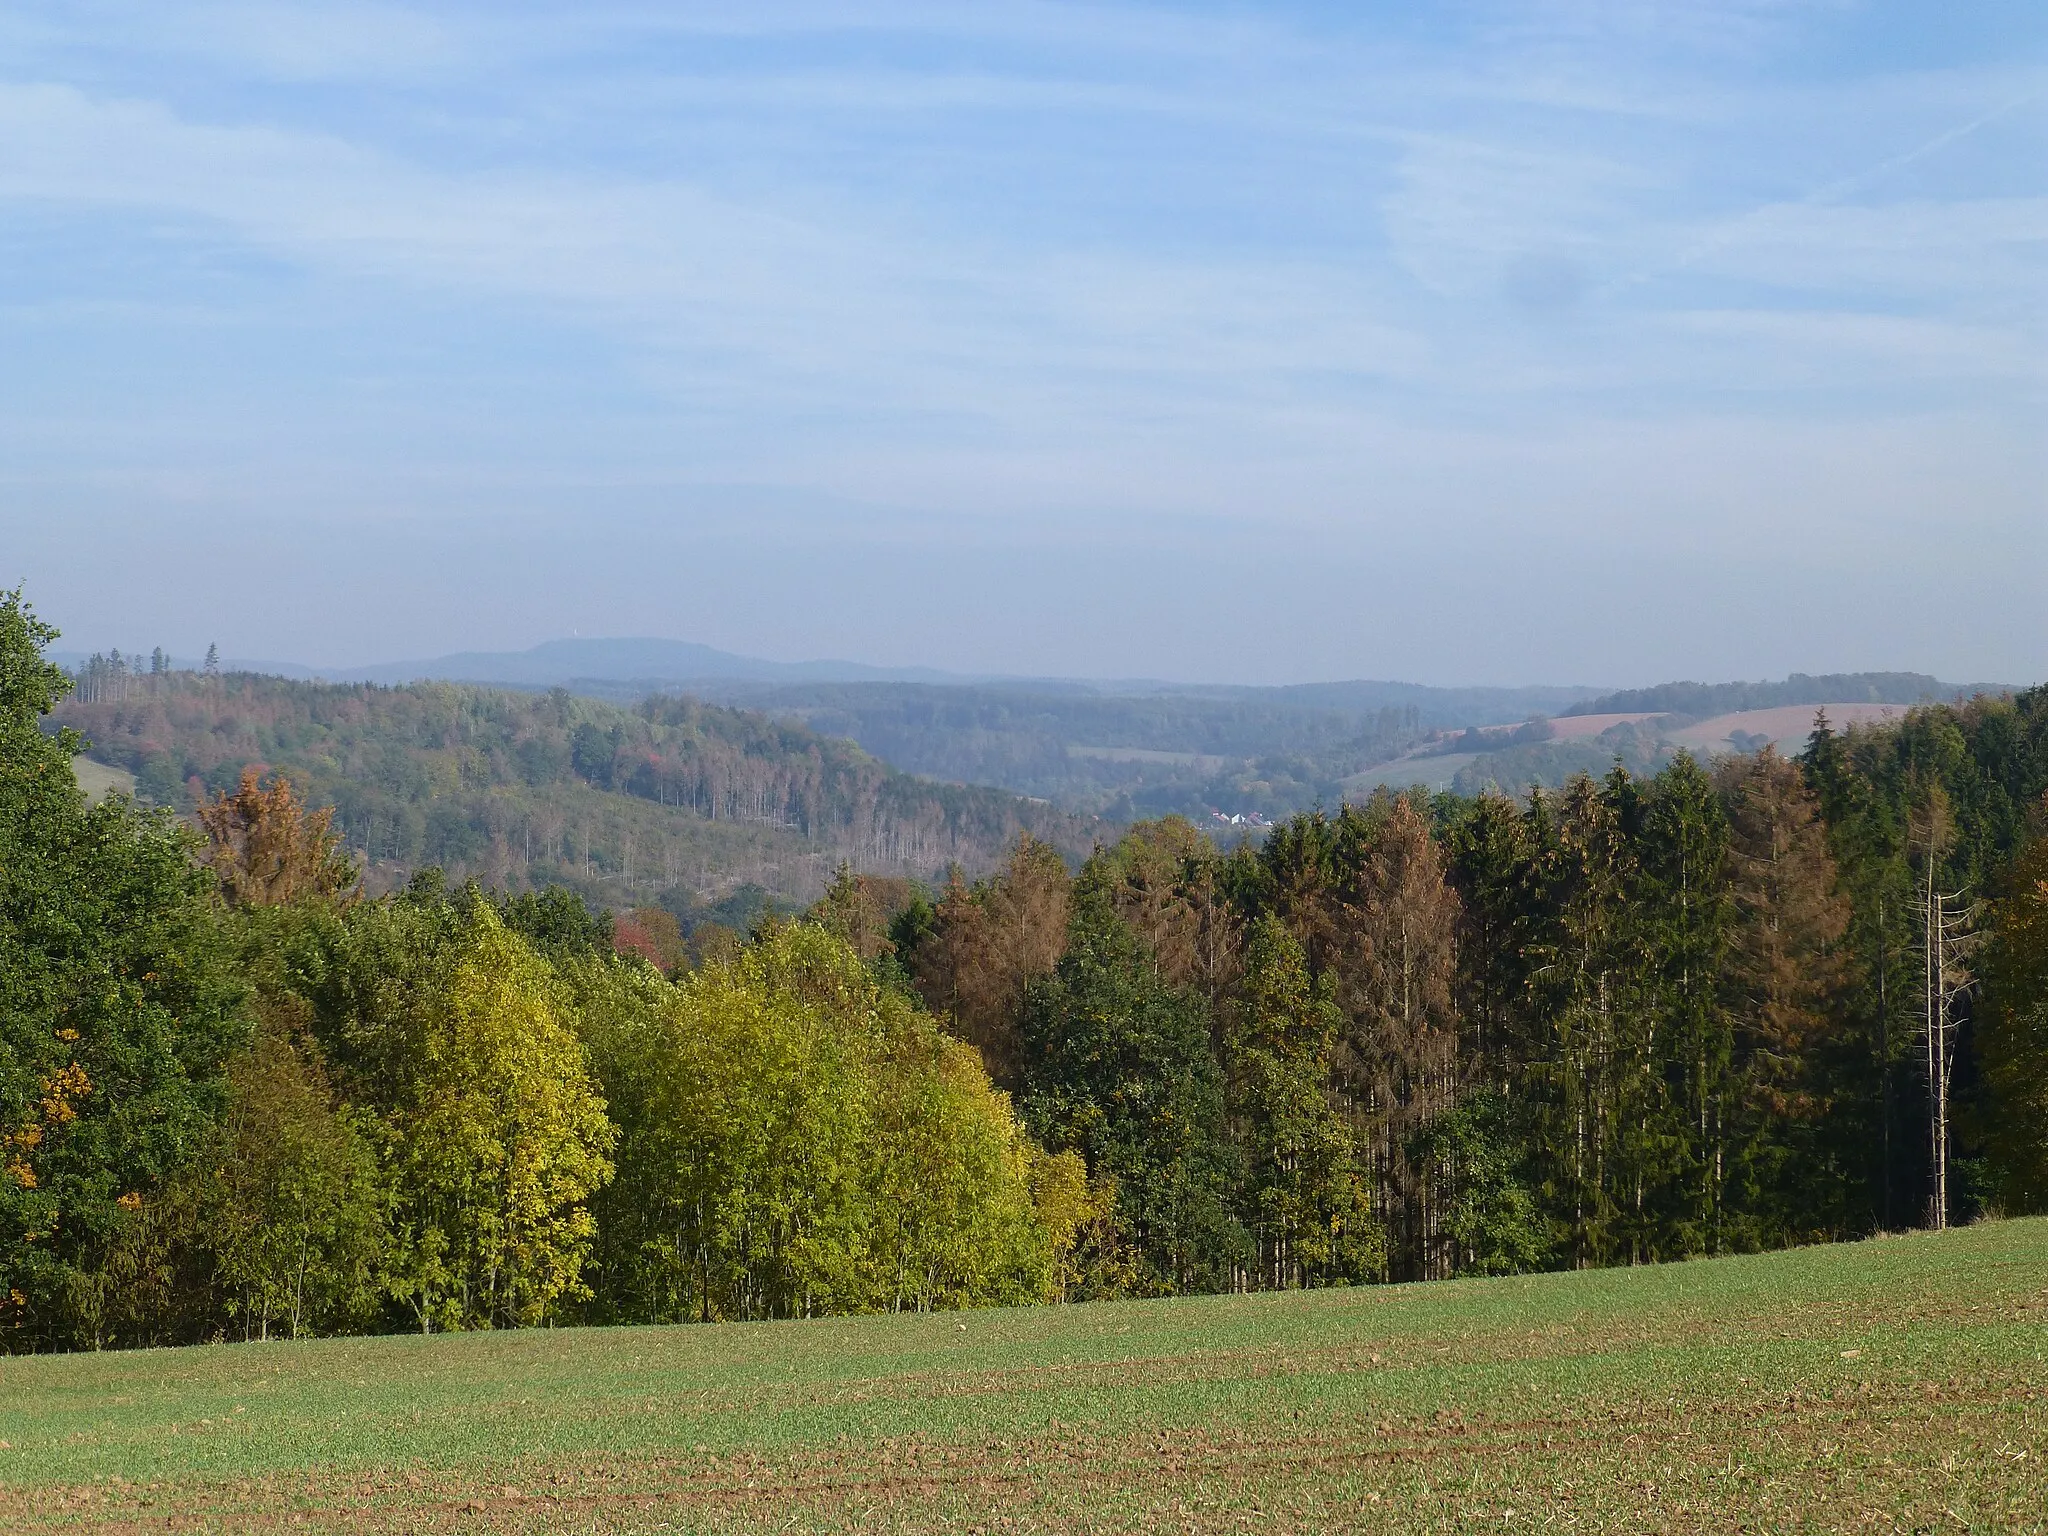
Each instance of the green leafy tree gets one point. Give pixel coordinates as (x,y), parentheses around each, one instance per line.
(1121,1067)
(294,1207)
(461,1037)
(1489,1216)
(1303,1198)
(119,1006)
(557,922)
(798,1138)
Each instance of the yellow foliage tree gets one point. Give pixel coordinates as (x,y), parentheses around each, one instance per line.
(499,1139)
(798,1139)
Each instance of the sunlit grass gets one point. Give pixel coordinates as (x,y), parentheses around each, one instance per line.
(1892,1384)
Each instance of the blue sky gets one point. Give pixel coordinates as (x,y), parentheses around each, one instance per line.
(1480,342)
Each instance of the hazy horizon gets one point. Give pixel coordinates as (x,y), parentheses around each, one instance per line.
(848,668)
(1481,344)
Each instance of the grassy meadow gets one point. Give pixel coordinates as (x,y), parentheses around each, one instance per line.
(1898,1384)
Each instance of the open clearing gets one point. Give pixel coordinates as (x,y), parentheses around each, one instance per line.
(100,780)
(1406,772)
(1787,726)
(1900,1384)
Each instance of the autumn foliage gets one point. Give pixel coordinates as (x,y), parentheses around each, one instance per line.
(1632,1020)
(269,850)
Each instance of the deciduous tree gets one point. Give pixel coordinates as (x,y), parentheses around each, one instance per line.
(119,1006)
(269,850)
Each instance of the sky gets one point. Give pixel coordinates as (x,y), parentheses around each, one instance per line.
(1478,342)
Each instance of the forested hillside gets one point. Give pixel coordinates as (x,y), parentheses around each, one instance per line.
(1120,756)
(1634,1019)
(1774,1001)
(1126,752)
(523,790)
(1699,700)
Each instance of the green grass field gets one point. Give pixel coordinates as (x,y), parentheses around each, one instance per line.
(100,780)
(1900,1384)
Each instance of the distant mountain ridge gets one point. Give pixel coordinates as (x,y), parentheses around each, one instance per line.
(630,660)
(631,665)
(623,668)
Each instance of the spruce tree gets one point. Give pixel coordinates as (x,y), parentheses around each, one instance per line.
(1802,1064)
(1303,1198)
(1122,1068)
(1682,914)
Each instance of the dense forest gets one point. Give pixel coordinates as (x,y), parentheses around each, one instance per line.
(1130,753)
(1699,700)
(1710,1009)
(671,801)
(1123,757)
(1510,767)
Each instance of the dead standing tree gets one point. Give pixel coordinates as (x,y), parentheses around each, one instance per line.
(1947,935)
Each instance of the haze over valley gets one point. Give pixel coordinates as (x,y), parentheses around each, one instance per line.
(1096,766)
(695,777)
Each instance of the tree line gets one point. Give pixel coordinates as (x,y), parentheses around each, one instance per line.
(1714,1009)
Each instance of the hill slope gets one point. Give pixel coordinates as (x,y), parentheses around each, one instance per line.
(1700,701)
(1899,1384)
(676,798)
(1132,750)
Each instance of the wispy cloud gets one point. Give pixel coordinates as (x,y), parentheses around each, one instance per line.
(1094,266)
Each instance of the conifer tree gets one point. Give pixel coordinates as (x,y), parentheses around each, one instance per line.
(1788,980)
(990,942)
(1682,910)
(1305,1202)
(1876,1098)
(1393,971)
(1122,1068)
(2014,1034)
(1491,866)
(1592,1104)
(269,850)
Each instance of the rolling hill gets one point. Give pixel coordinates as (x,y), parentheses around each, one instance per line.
(676,800)
(1130,750)
(1227,757)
